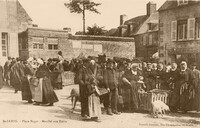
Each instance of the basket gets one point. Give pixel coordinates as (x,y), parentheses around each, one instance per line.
(147,98)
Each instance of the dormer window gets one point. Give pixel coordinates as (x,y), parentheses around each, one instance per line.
(182,2)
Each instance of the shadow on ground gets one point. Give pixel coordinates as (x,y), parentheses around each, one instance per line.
(188,118)
(67,113)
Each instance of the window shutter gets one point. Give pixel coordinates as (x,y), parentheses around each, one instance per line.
(173,30)
(191,28)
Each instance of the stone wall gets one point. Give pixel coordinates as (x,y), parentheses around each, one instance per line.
(73,46)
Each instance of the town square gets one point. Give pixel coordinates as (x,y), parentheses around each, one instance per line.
(99,63)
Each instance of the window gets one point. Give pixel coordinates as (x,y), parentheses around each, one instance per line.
(198,28)
(150,39)
(182,2)
(191,28)
(4,42)
(152,26)
(182,30)
(34,46)
(55,46)
(41,46)
(144,40)
(52,46)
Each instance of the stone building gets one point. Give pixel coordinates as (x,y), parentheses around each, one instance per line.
(144,30)
(147,38)
(45,43)
(13,19)
(179,31)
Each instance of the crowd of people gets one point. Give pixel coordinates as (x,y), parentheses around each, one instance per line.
(32,77)
(127,79)
(121,80)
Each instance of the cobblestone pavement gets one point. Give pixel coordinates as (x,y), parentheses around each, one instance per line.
(15,113)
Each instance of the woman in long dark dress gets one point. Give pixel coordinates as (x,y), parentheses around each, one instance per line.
(1,77)
(186,85)
(43,74)
(26,88)
(130,79)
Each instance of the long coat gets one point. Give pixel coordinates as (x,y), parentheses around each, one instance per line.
(48,94)
(7,70)
(175,88)
(130,94)
(196,103)
(17,71)
(90,102)
(26,89)
(1,77)
(150,79)
(186,85)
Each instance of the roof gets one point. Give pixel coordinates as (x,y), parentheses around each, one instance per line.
(136,22)
(153,18)
(169,4)
(22,14)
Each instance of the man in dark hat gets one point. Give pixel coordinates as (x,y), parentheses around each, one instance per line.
(83,88)
(112,86)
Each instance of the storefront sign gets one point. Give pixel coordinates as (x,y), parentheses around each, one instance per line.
(183,50)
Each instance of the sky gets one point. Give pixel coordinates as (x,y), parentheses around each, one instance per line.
(54,15)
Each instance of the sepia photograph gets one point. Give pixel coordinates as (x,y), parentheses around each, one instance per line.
(99,63)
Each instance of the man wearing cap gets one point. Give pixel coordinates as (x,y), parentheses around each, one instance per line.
(186,84)
(196,72)
(111,84)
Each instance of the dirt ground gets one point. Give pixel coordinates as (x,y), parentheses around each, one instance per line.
(15,113)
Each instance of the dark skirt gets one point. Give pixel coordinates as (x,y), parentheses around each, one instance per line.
(1,80)
(7,75)
(131,96)
(49,96)
(26,91)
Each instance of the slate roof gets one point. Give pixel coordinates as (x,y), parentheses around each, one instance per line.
(22,14)
(169,4)
(136,22)
(153,18)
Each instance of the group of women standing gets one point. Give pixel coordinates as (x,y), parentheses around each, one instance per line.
(32,77)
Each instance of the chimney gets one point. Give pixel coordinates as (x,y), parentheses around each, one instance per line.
(123,18)
(151,8)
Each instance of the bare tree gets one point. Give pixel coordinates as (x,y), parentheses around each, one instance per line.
(80,6)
